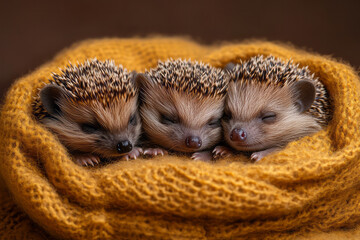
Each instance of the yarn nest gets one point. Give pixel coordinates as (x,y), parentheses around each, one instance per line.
(308,190)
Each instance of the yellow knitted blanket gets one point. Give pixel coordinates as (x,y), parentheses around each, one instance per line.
(310,190)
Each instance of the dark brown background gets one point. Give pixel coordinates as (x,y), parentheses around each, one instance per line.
(31,32)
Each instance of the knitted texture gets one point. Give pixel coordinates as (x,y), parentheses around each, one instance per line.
(309,190)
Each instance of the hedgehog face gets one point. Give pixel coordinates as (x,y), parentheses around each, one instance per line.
(182,103)
(107,131)
(259,116)
(179,121)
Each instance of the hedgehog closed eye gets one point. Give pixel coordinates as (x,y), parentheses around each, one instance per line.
(168,120)
(268,117)
(90,128)
(214,123)
(133,119)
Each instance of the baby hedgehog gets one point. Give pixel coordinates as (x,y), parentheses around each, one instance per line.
(271,103)
(92,108)
(182,104)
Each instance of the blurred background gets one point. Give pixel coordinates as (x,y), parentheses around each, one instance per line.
(32,32)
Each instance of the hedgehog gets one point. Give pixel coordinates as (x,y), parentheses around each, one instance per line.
(92,108)
(269,104)
(181,107)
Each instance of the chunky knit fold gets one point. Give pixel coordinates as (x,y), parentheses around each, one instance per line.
(309,190)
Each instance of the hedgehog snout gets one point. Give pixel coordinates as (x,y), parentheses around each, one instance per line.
(238,135)
(124,146)
(193,142)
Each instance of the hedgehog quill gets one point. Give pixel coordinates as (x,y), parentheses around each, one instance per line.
(92,108)
(181,106)
(271,103)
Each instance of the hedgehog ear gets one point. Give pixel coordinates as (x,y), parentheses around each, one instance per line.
(49,96)
(304,91)
(142,80)
(229,67)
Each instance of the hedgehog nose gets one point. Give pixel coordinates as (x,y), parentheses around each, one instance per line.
(124,146)
(238,135)
(193,142)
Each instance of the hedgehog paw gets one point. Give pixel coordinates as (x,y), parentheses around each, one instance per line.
(155,151)
(205,156)
(87,159)
(257,156)
(222,151)
(133,154)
